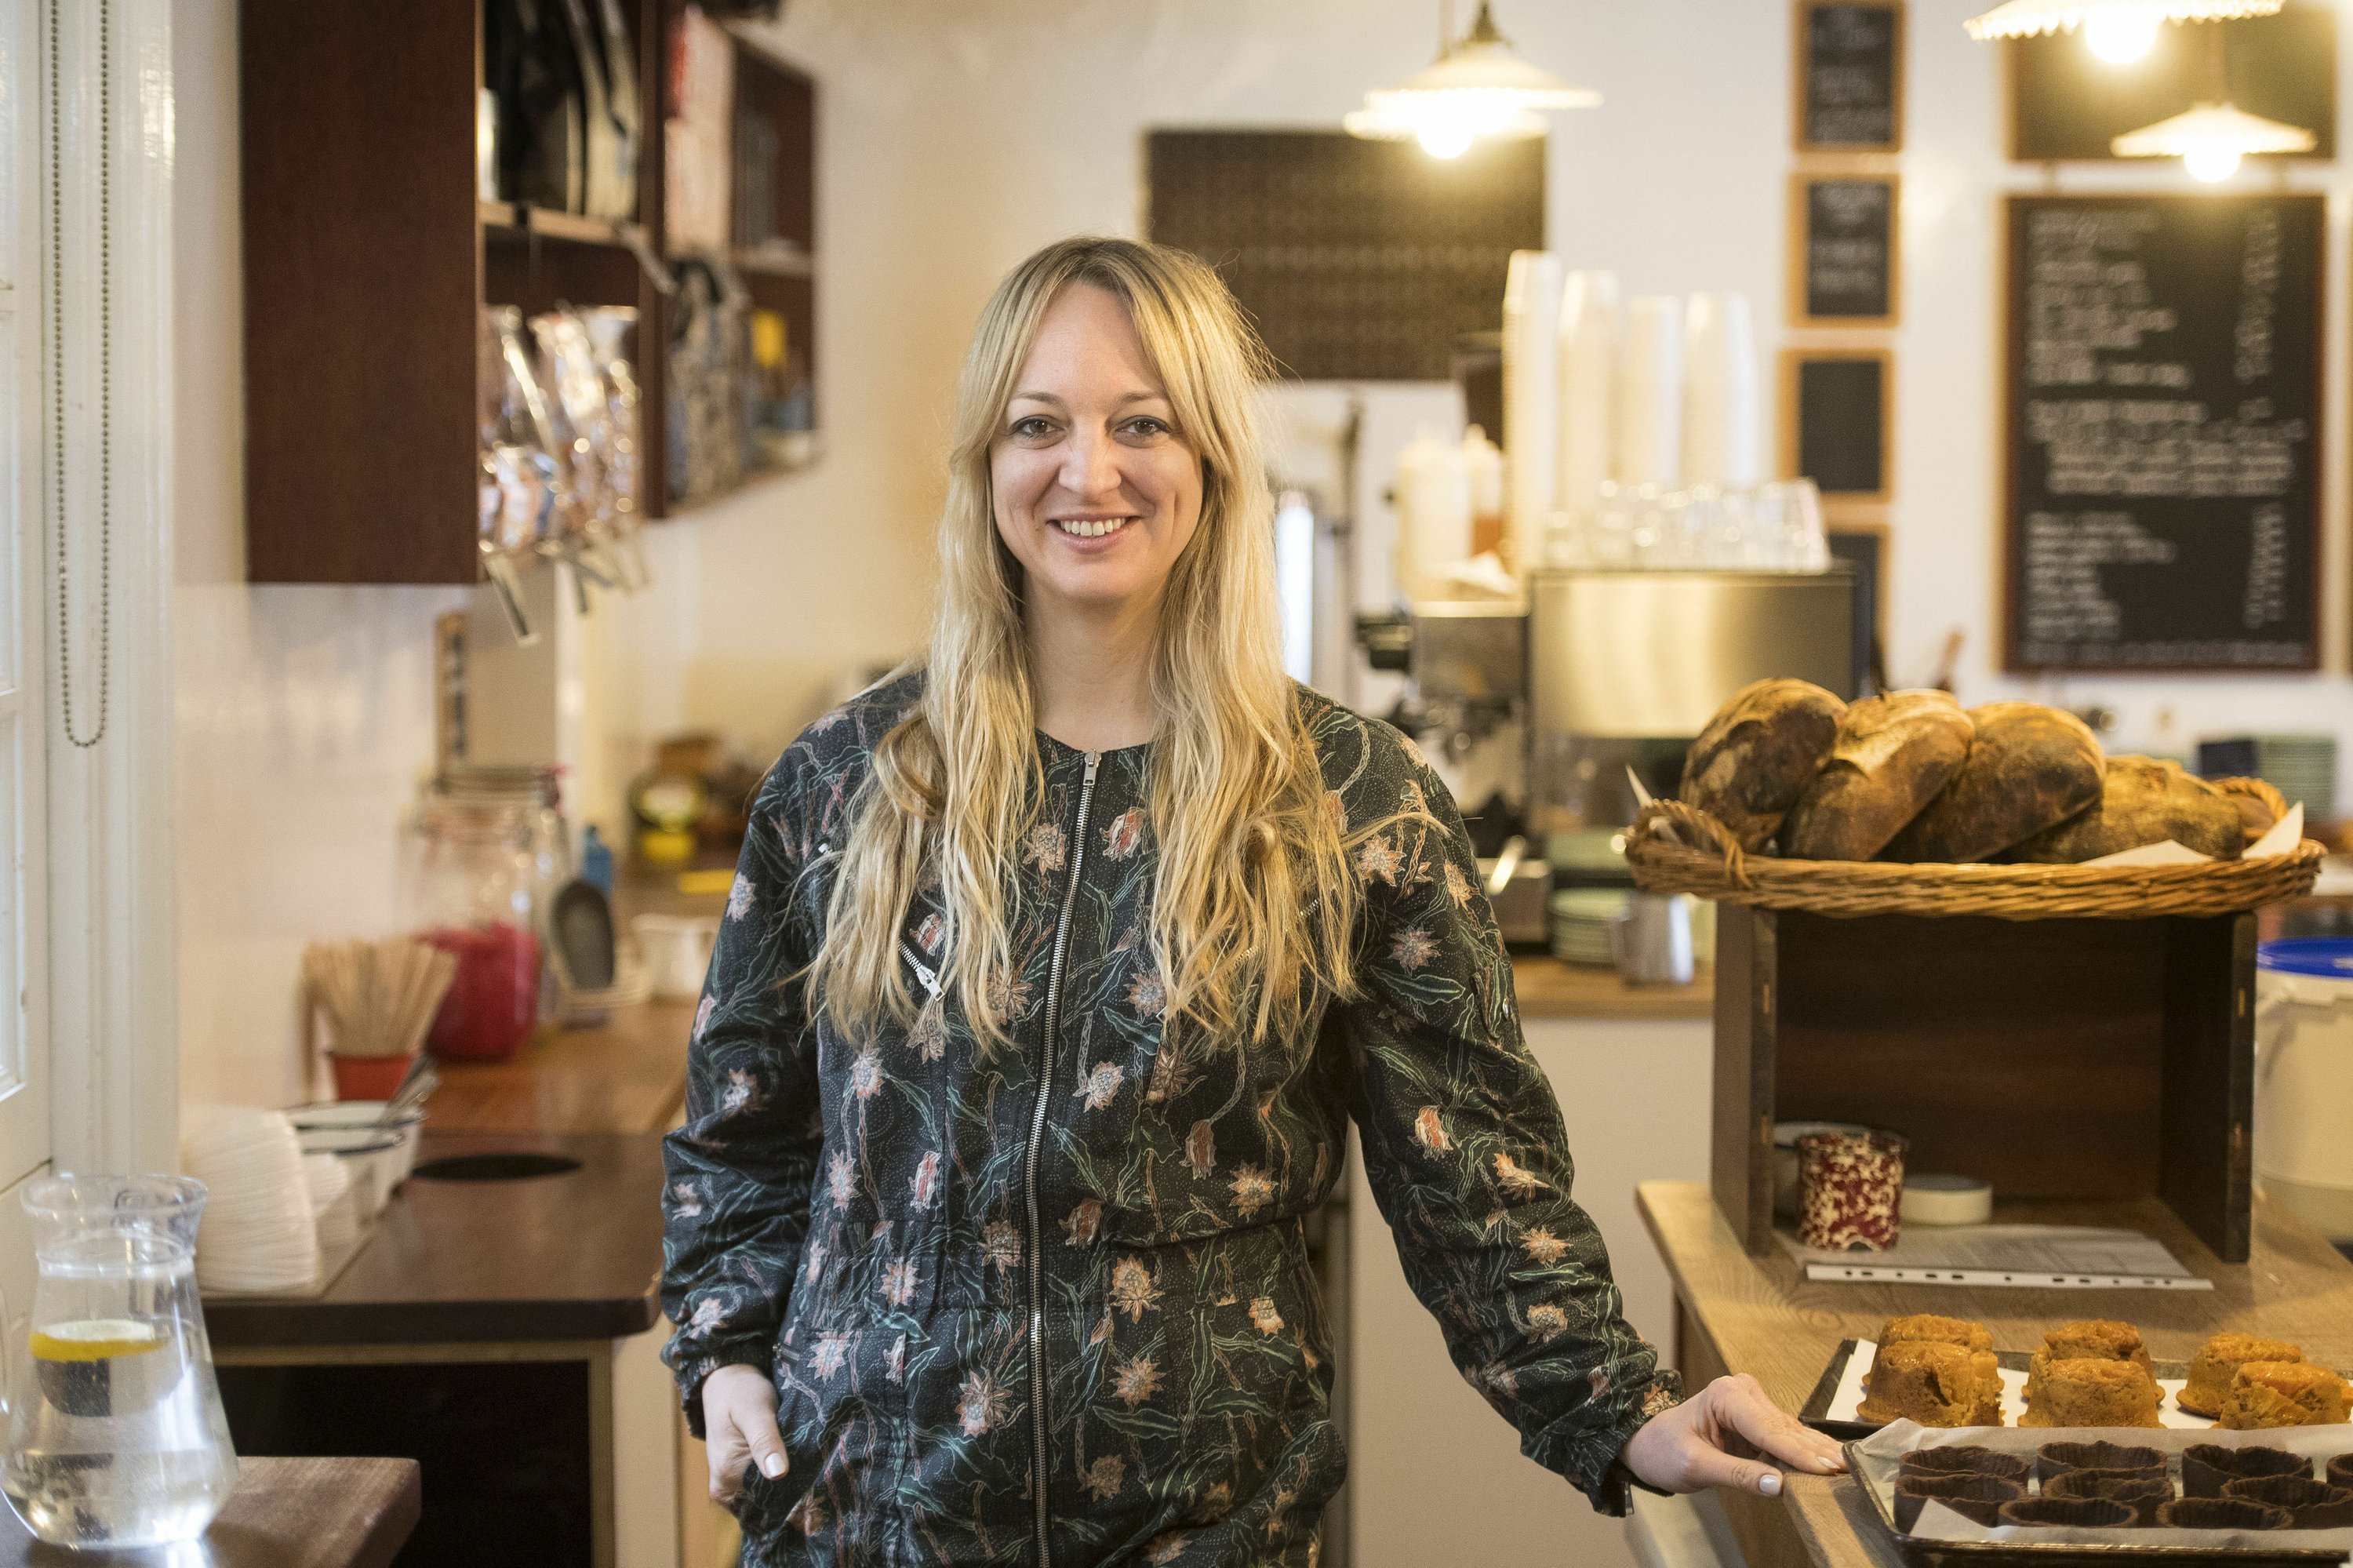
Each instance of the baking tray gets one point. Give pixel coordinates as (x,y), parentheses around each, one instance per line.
(1816,1412)
(1940,1535)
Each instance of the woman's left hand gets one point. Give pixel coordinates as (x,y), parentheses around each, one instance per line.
(1715,1437)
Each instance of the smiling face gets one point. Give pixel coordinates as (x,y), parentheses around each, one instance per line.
(1094,490)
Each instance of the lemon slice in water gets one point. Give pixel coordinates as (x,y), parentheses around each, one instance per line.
(96,1340)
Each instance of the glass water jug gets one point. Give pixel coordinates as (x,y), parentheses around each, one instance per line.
(116,1436)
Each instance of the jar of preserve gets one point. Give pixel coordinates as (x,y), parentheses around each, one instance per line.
(473,873)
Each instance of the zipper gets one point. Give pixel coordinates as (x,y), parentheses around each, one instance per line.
(1029,1164)
(923,972)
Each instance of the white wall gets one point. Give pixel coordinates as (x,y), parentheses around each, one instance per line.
(957,139)
(304,715)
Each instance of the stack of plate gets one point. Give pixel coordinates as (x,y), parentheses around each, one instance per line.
(333,1207)
(1580,924)
(258,1232)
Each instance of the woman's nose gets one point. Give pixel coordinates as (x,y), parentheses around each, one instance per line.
(1091,466)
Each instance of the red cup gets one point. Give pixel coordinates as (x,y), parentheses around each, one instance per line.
(1849,1191)
(369,1078)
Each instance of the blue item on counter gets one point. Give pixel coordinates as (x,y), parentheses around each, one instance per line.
(597,861)
(2330,957)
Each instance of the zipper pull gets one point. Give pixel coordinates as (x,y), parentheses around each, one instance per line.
(1093,757)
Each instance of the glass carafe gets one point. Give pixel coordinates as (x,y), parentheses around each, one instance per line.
(116,1436)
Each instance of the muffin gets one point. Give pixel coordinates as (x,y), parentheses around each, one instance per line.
(1975,1338)
(1933,1383)
(2093,1394)
(2311,1504)
(2283,1394)
(1977,1498)
(2221,1513)
(1963,1459)
(2142,1494)
(2207,1467)
(2087,1339)
(2218,1361)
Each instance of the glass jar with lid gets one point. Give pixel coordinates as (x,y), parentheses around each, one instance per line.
(473,877)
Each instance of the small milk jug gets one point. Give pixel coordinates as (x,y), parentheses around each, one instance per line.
(115,1433)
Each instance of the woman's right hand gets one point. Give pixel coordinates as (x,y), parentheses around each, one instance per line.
(739,1419)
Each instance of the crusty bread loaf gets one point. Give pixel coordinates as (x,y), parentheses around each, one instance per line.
(1759,753)
(2142,801)
(1893,753)
(2029,767)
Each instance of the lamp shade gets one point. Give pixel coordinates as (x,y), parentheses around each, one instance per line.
(1477,91)
(2212,127)
(2031,19)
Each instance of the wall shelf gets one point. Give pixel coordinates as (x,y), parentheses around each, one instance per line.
(369,258)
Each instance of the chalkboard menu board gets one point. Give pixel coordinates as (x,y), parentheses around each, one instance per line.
(1850,96)
(1843,271)
(2162,433)
(1836,425)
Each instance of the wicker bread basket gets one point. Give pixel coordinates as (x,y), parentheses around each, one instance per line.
(1660,851)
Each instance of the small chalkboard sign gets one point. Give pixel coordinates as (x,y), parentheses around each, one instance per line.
(1843,266)
(1837,426)
(1849,86)
(2163,432)
(1861,548)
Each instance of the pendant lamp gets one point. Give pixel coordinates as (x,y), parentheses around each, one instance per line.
(1478,90)
(2032,18)
(2210,139)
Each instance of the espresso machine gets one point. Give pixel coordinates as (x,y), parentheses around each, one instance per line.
(1537,714)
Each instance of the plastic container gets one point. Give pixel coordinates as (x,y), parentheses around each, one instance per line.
(2304,1078)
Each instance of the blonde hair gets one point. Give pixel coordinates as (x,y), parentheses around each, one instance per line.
(1254,908)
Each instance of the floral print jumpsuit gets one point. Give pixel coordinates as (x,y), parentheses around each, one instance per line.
(1051,1304)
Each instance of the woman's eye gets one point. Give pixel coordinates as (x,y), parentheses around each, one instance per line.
(1032,428)
(1146,425)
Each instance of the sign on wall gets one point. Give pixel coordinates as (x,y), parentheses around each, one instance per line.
(2162,433)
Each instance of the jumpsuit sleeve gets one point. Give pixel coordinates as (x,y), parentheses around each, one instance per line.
(737,1175)
(1466,1153)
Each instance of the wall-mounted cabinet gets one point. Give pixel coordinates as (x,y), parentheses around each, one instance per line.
(370,255)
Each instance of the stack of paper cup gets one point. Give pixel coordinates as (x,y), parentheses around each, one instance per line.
(1532,291)
(258,1232)
(1719,418)
(1589,387)
(1650,392)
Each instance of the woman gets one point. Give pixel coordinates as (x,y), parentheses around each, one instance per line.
(1052,972)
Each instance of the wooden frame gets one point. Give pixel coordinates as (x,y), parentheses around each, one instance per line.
(2008,520)
(1873,521)
(1840,504)
(1800,62)
(1797,265)
(2057,1059)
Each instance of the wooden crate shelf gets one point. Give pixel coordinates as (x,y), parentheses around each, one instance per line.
(2056,1059)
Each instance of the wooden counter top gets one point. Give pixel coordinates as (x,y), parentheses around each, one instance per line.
(627,1075)
(1760,1316)
(569,1256)
(285,1513)
(1550,989)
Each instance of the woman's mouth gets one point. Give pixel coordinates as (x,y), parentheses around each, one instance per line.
(1091,527)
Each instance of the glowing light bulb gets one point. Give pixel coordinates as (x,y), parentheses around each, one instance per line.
(1444,138)
(2120,34)
(2211,164)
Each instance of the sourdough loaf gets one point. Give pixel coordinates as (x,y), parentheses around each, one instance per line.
(2142,801)
(2029,767)
(1893,753)
(1759,751)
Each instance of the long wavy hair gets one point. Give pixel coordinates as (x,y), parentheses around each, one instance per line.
(1255,901)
